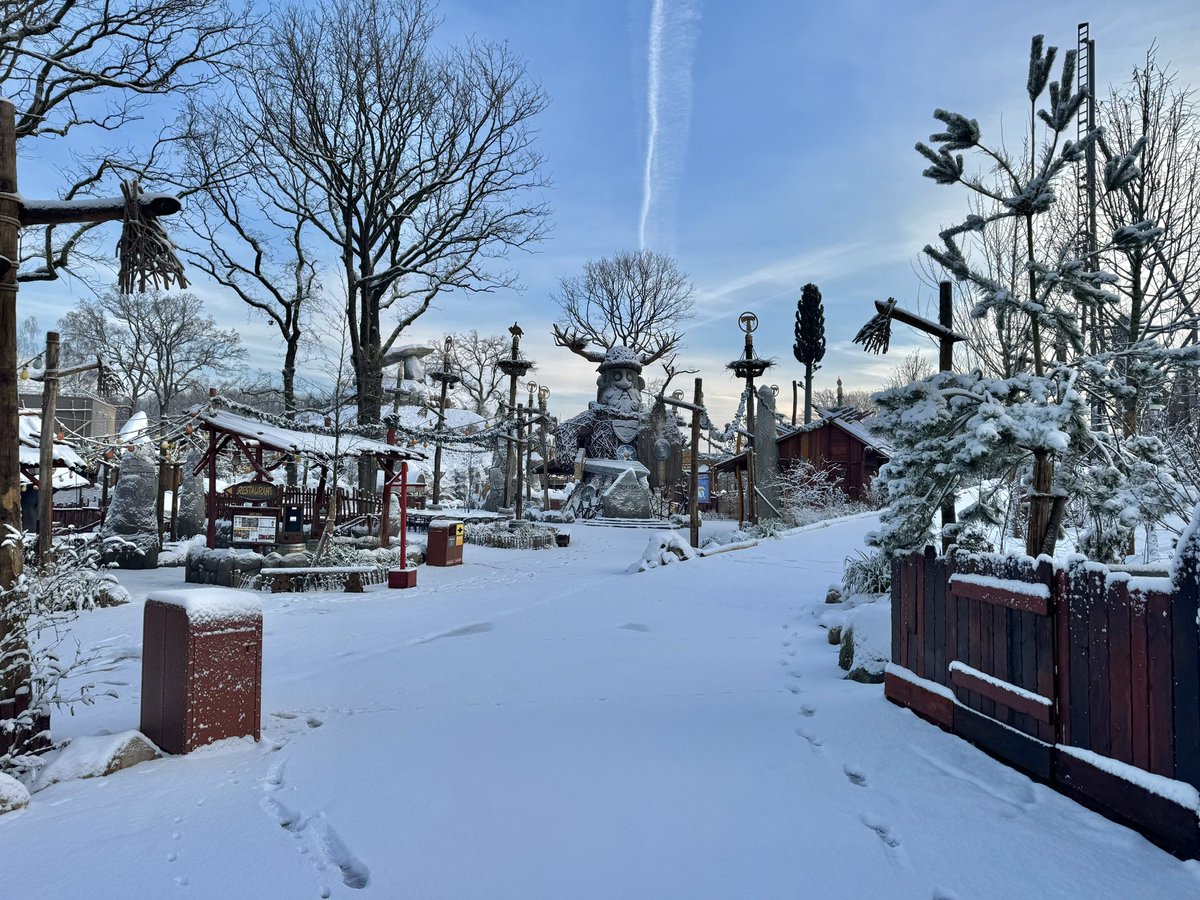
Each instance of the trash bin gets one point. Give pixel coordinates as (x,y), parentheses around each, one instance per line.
(293,525)
(445,546)
(201,667)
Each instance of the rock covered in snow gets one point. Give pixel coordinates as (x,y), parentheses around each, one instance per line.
(13,794)
(92,757)
(130,532)
(192,515)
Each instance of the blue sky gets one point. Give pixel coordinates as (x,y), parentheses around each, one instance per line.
(783,141)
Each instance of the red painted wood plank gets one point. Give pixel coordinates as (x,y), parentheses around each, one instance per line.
(1139,682)
(1001,695)
(1098,698)
(974,655)
(929,706)
(919,600)
(1161,711)
(1062,655)
(1119,672)
(1002,597)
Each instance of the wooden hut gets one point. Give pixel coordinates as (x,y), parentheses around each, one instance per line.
(839,442)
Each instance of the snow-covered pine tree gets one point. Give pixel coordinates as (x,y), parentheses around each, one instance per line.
(809,348)
(954,429)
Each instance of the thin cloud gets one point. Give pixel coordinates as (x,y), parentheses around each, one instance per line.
(672,39)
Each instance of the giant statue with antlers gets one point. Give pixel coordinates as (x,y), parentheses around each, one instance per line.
(601,443)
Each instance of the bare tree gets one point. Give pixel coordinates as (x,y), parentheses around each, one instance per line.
(92,63)
(161,344)
(638,300)
(415,165)
(475,359)
(251,240)
(914,367)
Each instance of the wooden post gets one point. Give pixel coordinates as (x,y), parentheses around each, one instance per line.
(795,400)
(545,451)
(212,487)
(437,450)
(10,460)
(518,494)
(45,544)
(946,364)
(176,482)
(694,492)
(741,492)
(404,513)
(161,494)
(751,505)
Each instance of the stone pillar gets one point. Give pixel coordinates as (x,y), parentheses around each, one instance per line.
(766,454)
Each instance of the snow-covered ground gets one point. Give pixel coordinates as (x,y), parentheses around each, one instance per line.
(545,724)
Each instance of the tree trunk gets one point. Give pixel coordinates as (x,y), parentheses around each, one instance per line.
(289,395)
(808,376)
(1038,538)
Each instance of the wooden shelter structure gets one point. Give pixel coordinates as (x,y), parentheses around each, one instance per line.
(838,442)
(255,439)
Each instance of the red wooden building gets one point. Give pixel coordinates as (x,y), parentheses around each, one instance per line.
(838,442)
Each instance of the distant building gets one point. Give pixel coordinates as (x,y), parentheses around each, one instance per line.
(839,441)
(80,416)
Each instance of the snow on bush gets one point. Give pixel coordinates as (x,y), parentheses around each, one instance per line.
(13,794)
(862,626)
(867,573)
(808,494)
(38,650)
(664,548)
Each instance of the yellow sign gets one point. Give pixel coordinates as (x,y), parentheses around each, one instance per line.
(458,534)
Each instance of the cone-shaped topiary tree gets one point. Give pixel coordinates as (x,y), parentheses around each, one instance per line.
(809,348)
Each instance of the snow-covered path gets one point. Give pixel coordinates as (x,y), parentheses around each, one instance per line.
(546,725)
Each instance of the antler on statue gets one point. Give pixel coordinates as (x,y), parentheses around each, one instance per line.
(577,344)
(665,344)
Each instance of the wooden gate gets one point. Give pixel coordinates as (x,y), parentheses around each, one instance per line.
(1000,632)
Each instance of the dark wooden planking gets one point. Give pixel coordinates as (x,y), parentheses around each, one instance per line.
(1100,739)
(1044,681)
(1013,599)
(1001,696)
(1161,712)
(1079,636)
(1185,652)
(937,618)
(929,623)
(897,611)
(905,612)
(1171,826)
(1000,642)
(926,704)
(1119,672)
(1022,751)
(1061,647)
(1139,683)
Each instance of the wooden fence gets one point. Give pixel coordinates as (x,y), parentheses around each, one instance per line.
(1084,676)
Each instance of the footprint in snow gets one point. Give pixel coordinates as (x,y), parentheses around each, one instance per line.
(812,739)
(881,828)
(634,626)
(855,775)
(313,722)
(808,710)
(354,873)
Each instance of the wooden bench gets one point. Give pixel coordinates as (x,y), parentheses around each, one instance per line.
(281,578)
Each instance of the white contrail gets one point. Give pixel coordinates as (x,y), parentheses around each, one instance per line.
(654,79)
(668,102)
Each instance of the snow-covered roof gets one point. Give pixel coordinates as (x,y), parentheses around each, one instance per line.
(29,436)
(306,443)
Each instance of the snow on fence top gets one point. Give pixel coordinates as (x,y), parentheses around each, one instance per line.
(306,443)
(1032,589)
(213,604)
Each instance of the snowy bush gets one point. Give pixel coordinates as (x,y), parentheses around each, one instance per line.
(867,573)
(39,653)
(808,494)
(525,536)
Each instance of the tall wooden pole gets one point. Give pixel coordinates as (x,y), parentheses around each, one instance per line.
(518,496)
(694,487)
(437,452)
(542,396)
(795,400)
(529,452)
(10,459)
(45,543)
(946,364)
